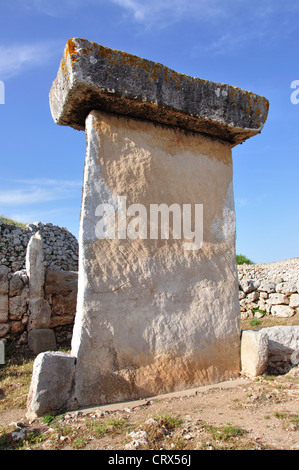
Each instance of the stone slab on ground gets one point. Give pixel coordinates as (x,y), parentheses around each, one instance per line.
(51,384)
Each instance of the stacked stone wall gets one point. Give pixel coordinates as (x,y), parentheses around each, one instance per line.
(269,289)
(60,246)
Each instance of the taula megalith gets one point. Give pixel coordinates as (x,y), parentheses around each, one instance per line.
(157,307)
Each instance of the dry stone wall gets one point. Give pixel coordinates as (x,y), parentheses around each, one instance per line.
(269,289)
(39,291)
(60,246)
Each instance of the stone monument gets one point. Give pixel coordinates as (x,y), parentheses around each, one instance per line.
(157,307)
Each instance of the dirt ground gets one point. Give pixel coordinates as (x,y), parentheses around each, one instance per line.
(241,414)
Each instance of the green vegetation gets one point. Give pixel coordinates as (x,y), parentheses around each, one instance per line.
(225,433)
(6,220)
(15,378)
(262,312)
(255,322)
(241,259)
(169,422)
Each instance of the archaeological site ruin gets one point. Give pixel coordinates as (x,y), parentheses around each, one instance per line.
(157,307)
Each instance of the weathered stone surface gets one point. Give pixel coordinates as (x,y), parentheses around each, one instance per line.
(17,282)
(4,329)
(283,345)
(3,308)
(51,383)
(287,288)
(41,340)
(249,285)
(254,353)
(282,311)
(153,317)
(93,77)
(277,299)
(3,280)
(2,352)
(63,287)
(17,307)
(267,286)
(39,313)
(282,337)
(17,327)
(35,266)
(294,300)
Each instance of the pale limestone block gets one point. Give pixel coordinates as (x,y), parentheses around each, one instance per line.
(282,311)
(294,300)
(254,353)
(149,309)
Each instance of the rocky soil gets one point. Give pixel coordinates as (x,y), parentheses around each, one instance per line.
(239,415)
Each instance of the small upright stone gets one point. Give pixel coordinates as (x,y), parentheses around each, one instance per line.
(51,384)
(254,353)
(35,266)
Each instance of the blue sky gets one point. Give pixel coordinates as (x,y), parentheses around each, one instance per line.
(252,45)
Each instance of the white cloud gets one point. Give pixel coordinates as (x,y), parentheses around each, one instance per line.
(39,191)
(18,57)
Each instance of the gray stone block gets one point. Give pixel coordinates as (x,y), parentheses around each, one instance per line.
(41,340)
(93,77)
(51,384)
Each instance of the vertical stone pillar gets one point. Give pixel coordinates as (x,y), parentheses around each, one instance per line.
(157,307)
(40,336)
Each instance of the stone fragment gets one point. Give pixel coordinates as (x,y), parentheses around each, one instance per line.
(41,340)
(16,283)
(294,300)
(249,285)
(282,311)
(253,296)
(277,299)
(51,384)
(287,288)
(267,286)
(35,266)
(254,353)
